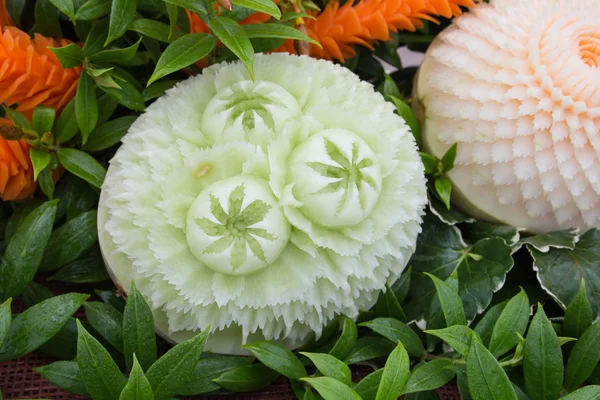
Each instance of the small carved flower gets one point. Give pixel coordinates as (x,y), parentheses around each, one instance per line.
(262,208)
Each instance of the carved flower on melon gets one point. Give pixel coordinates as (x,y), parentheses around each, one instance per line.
(263,209)
(517,85)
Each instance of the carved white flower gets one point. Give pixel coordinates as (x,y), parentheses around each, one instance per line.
(263,209)
(517,85)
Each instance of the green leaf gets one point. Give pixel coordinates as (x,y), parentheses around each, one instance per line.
(430,375)
(17,118)
(18,216)
(66,126)
(82,165)
(66,7)
(86,106)
(389,306)
(485,326)
(96,38)
(368,348)
(76,197)
(277,358)
(450,302)
(389,88)
(138,387)
(93,9)
(155,30)
(279,31)
(209,368)
(15,10)
(512,322)
(138,330)
(479,230)
(565,239)
(401,286)
(578,316)
(47,183)
(330,366)
(247,378)
(486,378)
(395,331)
(39,159)
(108,134)
(182,53)
(367,387)
(101,375)
(481,268)
(264,6)
(542,359)
(128,95)
(580,263)
(63,345)
(332,389)
(107,321)
(69,56)
(346,341)
(449,157)
(110,297)
(234,38)
(5,319)
(585,393)
(395,375)
(408,116)
(87,270)
(70,241)
(584,358)
(38,324)
(122,13)
(443,188)
(35,293)
(65,376)
(430,163)
(25,249)
(116,55)
(191,5)
(459,337)
(172,370)
(157,89)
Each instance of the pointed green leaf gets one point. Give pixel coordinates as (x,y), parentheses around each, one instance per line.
(107,321)
(86,105)
(70,241)
(67,7)
(578,316)
(116,55)
(368,348)
(43,119)
(108,134)
(512,322)
(65,376)
(486,378)
(247,378)
(330,366)
(347,339)
(138,387)
(5,319)
(264,6)
(443,188)
(25,250)
(122,13)
(155,30)
(39,159)
(395,331)
(182,53)
(172,370)
(35,293)
(585,393)
(584,358)
(138,330)
(450,302)
(209,368)
(277,358)
(95,39)
(278,31)
(234,38)
(101,375)
(85,270)
(395,375)
(17,118)
(564,239)
(191,5)
(401,286)
(66,126)
(82,165)
(408,116)
(459,337)
(367,387)
(69,56)
(449,157)
(430,375)
(542,359)
(47,183)
(485,326)
(332,389)
(389,306)
(93,9)
(38,324)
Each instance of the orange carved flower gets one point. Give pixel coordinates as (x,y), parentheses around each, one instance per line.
(16,171)
(30,74)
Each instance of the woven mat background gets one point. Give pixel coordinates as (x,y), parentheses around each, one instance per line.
(18,381)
